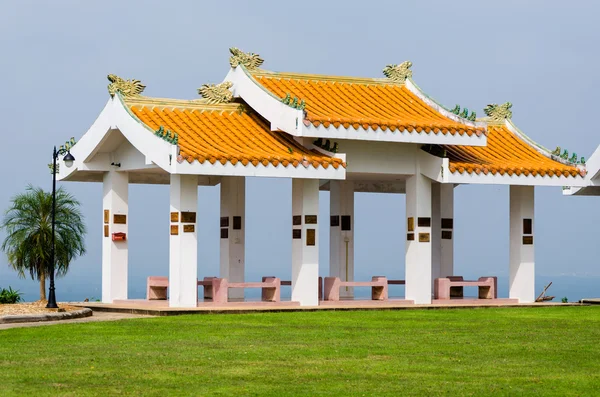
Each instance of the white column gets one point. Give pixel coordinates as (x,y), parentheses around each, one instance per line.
(418,240)
(341,236)
(305,241)
(436,230)
(447,233)
(442,229)
(183,249)
(115,253)
(522,264)
(233,226)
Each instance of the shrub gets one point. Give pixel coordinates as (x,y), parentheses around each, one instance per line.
(565,300)
(10,296)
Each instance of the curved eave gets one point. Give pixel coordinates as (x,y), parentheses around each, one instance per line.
(476,176)
(293,121)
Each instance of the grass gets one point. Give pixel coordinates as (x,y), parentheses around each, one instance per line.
(522,351)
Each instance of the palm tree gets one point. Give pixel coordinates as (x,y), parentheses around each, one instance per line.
(28,226)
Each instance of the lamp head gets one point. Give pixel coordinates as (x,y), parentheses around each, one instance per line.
(69,159)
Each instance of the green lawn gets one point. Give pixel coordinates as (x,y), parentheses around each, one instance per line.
(505,351)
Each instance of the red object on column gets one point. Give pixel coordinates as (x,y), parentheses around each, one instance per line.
(119,236)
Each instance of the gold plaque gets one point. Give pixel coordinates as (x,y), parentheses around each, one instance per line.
(424,222)
(447,223)
(410,237)
(310,219)
(119,219)
(296,233)
(188,217)
(106,216)
(174,216)
(423,237)
(410,226)
(105,230)
(527,240)
(446,234)
(311,237)
(297,220)
(174,230)
(189,228)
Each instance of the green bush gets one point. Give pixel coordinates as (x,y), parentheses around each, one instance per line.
(565,300)
(10,295)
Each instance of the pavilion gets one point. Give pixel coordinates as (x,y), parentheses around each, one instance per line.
(341,134)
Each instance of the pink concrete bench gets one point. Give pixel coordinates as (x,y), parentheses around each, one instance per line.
(156,287)
(379,287)
(452,287)
(289,283)
(271,289)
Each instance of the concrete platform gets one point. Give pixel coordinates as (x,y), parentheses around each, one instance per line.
(160,308)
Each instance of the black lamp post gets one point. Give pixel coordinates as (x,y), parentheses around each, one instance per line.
(68,159)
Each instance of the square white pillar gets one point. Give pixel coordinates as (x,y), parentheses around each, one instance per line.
(418,239)
(522,263)
(442,229)
(233,225)
(305,241)
(183,249)
(115,253)
(341,235)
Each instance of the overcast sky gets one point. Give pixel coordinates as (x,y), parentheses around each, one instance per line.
(540,55)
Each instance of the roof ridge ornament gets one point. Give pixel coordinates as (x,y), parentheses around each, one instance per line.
(217,93)
(249,60)
(127,88)
(498,112)
(464,114)
(295,103)
(398,73)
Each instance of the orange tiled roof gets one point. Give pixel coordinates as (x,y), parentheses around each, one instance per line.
(348,101)
(224,133)
(505,153)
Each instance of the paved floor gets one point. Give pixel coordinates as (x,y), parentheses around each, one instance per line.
(160,308)
(98,316)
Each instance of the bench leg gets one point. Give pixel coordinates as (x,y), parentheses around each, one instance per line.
(441,288)
(219,289)
(488,291)
(332,289)
(208,288)
(271,294)
(379,293)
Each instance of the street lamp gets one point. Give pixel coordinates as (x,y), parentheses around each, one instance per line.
(68,159)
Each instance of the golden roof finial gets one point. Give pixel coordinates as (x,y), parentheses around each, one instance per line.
(127,88)
(498,112)
(250,60)
(217,93)
(398,73)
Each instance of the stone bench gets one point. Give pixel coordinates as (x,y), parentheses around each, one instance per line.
(453,286)
(289,283)
(379,287)
(271,288)
(156,287)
